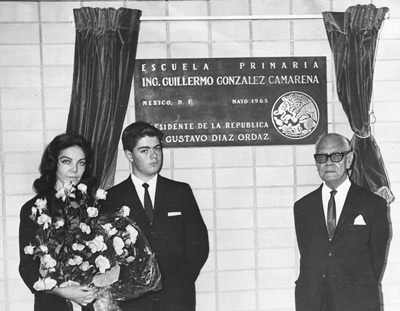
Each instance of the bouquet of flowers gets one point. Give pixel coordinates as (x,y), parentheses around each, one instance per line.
(77,245)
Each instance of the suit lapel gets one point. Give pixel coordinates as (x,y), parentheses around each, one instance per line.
(349,210)
(316,217)
(319,213)
(137,214)
(160,195)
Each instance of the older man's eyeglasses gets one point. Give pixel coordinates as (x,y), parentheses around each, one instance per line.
(335,157)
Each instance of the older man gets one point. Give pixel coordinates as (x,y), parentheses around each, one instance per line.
(342,234)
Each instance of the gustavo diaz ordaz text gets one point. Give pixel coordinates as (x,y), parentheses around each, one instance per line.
(204,138)
(217,137)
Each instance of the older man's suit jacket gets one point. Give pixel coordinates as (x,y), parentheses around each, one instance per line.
(178,236)
(352,263)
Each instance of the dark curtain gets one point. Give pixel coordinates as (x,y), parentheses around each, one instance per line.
(105,51)
(353,37)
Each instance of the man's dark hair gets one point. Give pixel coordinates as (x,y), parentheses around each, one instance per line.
(137,130)
(49,163)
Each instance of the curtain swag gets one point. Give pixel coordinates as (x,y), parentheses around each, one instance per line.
(353,37)
(105,51)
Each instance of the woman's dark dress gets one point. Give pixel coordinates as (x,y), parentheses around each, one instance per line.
(29,268)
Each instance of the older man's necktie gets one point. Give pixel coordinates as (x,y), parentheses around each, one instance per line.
(148,206)
(331,217)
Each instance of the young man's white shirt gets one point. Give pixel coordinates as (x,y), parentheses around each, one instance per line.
(140,189)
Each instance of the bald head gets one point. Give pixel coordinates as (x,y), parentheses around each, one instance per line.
(334,138)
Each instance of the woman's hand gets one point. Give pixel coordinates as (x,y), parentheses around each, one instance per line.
(81,294)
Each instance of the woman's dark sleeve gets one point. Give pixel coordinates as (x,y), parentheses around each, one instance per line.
(28,268)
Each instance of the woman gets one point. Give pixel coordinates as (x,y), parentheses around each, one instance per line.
(66,159)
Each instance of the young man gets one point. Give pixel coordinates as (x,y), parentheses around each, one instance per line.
(167,213)
(342,233)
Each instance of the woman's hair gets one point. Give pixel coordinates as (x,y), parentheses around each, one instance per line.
(49,163)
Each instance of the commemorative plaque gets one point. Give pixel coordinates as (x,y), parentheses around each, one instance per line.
(233,101)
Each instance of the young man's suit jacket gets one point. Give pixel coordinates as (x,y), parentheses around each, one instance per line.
(178,236)
(352,263)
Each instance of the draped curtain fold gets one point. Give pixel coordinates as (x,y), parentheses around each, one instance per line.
(353,37)
(105,52)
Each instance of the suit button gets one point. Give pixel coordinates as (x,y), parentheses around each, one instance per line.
(330,254)
(323,275)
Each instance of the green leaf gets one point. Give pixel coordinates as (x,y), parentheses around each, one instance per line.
(75,223)
(58,248)
(74,204)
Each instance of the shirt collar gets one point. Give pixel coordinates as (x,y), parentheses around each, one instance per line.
(341,194)
(344,187)
(138,182)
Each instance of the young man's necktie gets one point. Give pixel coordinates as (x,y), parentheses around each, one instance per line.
(148,206)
